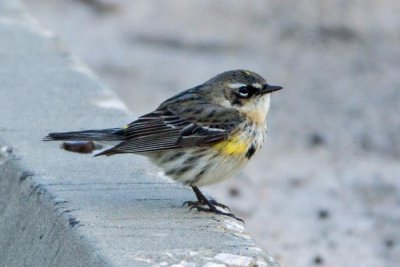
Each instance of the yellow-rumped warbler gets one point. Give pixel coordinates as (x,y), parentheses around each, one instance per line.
(198,137)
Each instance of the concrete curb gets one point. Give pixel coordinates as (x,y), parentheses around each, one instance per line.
(66,209)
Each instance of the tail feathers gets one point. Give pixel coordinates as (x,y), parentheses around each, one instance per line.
(113,134)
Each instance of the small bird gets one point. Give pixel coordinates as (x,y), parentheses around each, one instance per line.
(198,137)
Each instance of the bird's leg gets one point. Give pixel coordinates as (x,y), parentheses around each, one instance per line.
(200,197)
(199,201)
(203,200)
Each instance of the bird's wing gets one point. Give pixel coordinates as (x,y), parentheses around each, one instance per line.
(178,126)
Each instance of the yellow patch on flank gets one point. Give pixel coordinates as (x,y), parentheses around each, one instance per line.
(232,146)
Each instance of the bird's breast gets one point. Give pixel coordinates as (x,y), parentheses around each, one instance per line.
(257,116)
(257,110)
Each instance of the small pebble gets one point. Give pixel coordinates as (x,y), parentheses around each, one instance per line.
(234,192)
(316,139)
(389,243)
(296,181)
(323,214)
(318,260)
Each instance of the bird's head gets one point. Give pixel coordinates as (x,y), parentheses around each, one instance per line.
(243,90)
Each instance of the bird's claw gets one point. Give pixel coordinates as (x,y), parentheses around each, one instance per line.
(215,203)
(192,203)
(198,205)
(217,211)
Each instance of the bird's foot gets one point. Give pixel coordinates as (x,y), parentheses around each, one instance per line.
(210,203)
(195,204)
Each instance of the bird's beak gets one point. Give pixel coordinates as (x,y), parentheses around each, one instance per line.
(267,88)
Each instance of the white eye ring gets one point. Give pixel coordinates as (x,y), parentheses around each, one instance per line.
(243,91)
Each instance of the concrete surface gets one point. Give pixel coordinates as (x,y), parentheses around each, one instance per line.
(325,189)
(66,209)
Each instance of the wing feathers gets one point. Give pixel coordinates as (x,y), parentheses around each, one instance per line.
(177,127)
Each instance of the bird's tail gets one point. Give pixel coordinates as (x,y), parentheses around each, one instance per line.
(113,134)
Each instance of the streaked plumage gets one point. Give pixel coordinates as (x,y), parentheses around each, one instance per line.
(200,136)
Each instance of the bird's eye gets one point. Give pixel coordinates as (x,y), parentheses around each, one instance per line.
(244,91)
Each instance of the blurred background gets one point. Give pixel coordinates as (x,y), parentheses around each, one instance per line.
(325,189)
